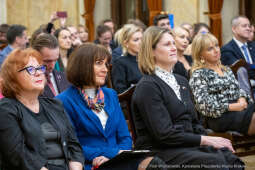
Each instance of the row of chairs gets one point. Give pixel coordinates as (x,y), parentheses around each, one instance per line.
(243,144)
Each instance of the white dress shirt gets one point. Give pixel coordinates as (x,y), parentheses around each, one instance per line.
(240,44)
(53,81)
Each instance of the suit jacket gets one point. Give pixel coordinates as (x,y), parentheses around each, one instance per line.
(162,121)
(61,82)
(95,140)
(230,53)
(180,69)
(22,144)
(125,72)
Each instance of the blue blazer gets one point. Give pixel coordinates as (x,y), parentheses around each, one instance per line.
(4,53)
(94,139)
(230,53)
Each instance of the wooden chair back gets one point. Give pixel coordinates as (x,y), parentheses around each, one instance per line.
(126,97)
(238,64)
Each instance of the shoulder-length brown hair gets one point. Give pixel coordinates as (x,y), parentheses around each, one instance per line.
(151,37)
(80,67)
(15,61)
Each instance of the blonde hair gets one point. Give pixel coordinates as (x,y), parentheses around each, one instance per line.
(199,44)
(177,31)
(123,35)
(151,37)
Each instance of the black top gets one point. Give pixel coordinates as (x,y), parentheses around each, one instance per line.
(50,134)
(161,119)
(22,141)
(125,72)
(180,69)
(116,53)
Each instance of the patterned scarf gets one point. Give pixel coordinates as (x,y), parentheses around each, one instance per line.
(96,103)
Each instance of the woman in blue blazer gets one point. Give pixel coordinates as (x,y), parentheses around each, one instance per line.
(95,111)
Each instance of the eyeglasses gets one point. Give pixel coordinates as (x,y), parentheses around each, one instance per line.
(32,70)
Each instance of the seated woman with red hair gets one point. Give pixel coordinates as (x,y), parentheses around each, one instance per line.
(35,132)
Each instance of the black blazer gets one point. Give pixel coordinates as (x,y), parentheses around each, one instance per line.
(230,53)
(161,120)
(125,72)
(180,69)
(61,81)
(22,143)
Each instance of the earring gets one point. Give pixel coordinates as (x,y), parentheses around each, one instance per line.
(202,61)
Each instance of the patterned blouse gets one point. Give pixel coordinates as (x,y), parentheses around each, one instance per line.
(213,93)
(169,79)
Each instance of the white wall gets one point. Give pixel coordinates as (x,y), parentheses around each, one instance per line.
(102,11)
(3,12)
(81,12)
(230,9)
(203,7)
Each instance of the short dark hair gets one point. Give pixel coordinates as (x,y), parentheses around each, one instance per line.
(106,20)
(198,26)
(35,34)
(57,32)
(45,40)
(14,31)
(102,29)
(80,67)
(4,28)
(159,17)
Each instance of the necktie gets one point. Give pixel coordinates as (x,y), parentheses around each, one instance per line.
(50,85)
(246,55)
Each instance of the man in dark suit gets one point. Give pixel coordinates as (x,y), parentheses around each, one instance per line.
(240,48)
(47,45)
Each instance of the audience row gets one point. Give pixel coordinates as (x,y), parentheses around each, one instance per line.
(180,76)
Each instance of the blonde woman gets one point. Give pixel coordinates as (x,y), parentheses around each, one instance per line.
(183,65)
(164,114)
(216,91)
(125,70)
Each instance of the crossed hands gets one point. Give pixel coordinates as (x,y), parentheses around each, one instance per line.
(217,142)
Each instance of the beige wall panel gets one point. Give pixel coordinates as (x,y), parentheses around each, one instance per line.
(230,9)
(72,8)
(33,13)
(39,13)
(17,12)
(183,10)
